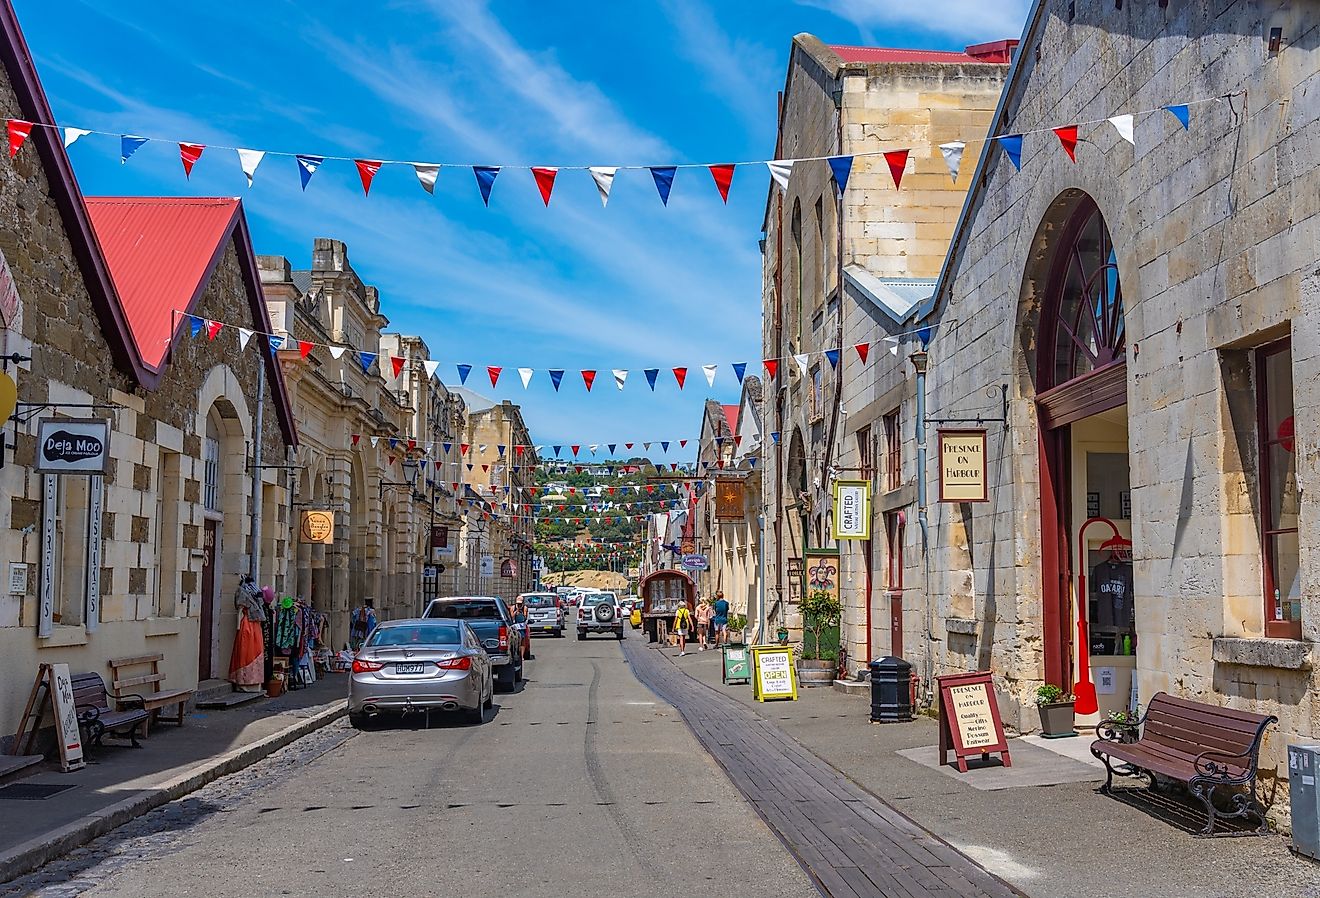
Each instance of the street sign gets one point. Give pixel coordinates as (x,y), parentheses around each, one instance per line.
(696,562)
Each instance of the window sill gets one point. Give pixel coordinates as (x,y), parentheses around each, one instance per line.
(962,626)
(163,626)
(63,637)
(1284,654)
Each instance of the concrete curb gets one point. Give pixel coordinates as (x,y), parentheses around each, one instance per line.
(37,852)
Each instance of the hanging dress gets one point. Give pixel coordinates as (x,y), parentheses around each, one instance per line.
(247,664)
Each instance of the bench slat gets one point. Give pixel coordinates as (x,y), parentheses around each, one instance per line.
(137,659)
(1178,733)
(161,699)
(138,681)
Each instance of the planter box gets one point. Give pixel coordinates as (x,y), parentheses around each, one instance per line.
(1056,720)
(816,673)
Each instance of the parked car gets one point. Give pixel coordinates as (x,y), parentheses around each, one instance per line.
(545,612)
(420,665)
(490,619)
(600,613)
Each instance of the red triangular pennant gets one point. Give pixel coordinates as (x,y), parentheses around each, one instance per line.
(627,445)
(723,175)
(18,132)
(518,450)
(575,450)
(771,366)
(189,153)
(463,448)
(367,169)
(588,378)
(897,160)
(356,437)
(212,328)
(545,181)
(494,373)
(304,348)
(390,458)
(1068,137)
(397,364)
(682,444)
(862,350)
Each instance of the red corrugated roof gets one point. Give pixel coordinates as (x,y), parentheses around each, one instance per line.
(160,251)
(731,415)
(976,53)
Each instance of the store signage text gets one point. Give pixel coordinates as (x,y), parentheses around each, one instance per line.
(852,509)
(962,466)
(73,447)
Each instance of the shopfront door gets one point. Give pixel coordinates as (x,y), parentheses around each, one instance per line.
(206,633)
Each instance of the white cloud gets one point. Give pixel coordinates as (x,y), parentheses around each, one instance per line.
(974,21)
(741,73)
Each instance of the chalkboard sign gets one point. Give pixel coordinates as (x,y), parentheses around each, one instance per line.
(772,673)
(969,719)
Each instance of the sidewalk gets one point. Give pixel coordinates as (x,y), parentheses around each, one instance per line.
(1047,840)
(120,783)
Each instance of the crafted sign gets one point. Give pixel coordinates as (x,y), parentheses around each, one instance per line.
(852,509)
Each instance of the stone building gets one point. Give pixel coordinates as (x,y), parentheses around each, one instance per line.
(1151,309)
(837,270)
(144,557)
(499,532)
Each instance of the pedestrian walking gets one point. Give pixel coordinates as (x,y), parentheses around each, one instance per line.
(682,623)
(704,614)
(721,619)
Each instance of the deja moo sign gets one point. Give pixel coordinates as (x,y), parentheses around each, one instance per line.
(68,446)
(962,466)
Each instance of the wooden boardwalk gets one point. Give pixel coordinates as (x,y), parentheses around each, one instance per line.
(851,843)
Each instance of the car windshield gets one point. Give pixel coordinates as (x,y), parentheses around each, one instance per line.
(547,600)
(465,610)
(597,598)
(416,634)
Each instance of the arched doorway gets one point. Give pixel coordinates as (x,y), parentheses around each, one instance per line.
(1086,496)
(224,558)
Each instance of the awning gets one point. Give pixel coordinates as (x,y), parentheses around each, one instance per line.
(896,297)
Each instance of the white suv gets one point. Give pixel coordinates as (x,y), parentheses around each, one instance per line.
(599,612)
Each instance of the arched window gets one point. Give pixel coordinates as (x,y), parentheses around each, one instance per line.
(1083,313)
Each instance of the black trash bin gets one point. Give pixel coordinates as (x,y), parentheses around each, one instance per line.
(891,690)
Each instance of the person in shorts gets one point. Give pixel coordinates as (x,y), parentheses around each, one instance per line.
(705,612)
(721,619)
(682,624)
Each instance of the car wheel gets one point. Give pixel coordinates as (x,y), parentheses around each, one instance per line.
(618,634)
(518,671)
(559,633)
(507,678)
(490,694)
(358,721)
(477,715)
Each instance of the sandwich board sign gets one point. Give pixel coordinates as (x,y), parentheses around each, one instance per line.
(773,678)
(60,687)
(737,664)
(969,720)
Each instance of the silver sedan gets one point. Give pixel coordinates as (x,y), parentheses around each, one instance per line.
(420,665)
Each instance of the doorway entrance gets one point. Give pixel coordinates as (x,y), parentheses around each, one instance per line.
(1086,505)
(210,600)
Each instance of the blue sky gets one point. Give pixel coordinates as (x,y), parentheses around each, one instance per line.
(634,286)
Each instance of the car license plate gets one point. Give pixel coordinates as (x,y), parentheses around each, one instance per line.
(405,667)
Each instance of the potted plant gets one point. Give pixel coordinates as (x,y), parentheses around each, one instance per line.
(1120,726)
(737,629)
(1056,712)
(820,611)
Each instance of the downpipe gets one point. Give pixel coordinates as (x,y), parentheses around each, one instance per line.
(919,362)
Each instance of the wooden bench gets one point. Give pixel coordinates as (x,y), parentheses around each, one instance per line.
(153,701)
(1204,746)
(92,702)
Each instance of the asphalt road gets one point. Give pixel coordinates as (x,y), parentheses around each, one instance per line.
(582,783)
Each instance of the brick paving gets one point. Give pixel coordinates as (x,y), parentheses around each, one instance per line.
(851,843)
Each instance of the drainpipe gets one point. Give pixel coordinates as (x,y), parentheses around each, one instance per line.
(919,360)
(760,579)
(254,557)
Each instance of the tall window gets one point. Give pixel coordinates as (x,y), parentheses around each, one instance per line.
(865,457)
(823,253)
(893,450)
(211,474)
(167,534)
(894,537)
(817,392)
(1086,301)
(797,268)
(1278,491)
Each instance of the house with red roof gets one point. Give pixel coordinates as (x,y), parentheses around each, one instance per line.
(128,520)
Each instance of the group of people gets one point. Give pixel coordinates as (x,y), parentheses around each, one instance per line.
(711,623)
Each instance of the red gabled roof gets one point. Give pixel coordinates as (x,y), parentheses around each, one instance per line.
(161,251)
(996,52)
(731,416)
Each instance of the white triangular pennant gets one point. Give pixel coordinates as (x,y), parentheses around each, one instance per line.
(526,375)
(431,367)
(801,359)
(337,351)
(374,440)
(243,336)
(248,160)
(620,375)
(604,178)
(1123,125)
(892,343)
(780,170)
(72,134)
(709,371)
(953,153)
(426,175)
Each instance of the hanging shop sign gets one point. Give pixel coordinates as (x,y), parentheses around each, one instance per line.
(67,446)
(317,527)
(10,306)
(773,678)
(728,499)
(696,562)
(822,572)
(508,569)
(969,719)
(962,466)
(50,494)
(852,509)
(488,565)
(92,609)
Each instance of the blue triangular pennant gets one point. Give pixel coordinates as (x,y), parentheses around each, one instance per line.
(447,446)
(739,369)
(196,324)
(1012,144)
(752,461)
(485,180)
(651,374)
(664,445)
(664,180)
(923,335)
(1181,113)
(307,166)
(557,449)
(275,342)
(501,449)
(556,375)
(367,359)
(841,166)
(774,435)
(610,447)
(128,145)
(833,356)
(463,372)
